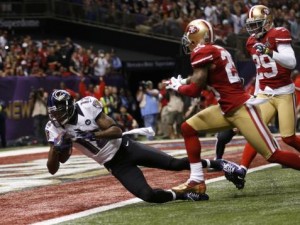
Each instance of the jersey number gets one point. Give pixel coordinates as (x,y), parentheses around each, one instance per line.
(265,66)
(230,68)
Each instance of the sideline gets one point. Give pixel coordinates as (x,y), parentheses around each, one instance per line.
(125,203)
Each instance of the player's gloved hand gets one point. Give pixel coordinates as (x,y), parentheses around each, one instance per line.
(61,143)
(179,78)
(261,49)
(86,135)
(173,84)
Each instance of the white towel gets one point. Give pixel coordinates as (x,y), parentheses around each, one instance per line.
(147,131)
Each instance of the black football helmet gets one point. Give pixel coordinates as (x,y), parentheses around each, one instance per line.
(61,107)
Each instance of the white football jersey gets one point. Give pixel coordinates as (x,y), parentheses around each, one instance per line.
(88,109)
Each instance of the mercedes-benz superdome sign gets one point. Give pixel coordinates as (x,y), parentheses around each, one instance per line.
(143,65)
(19,23)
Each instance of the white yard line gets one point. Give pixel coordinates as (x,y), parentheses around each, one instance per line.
(125,203)
(26,151)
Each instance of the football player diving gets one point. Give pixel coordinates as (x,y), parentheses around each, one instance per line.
(85,126)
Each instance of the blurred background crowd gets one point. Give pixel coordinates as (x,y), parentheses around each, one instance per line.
(26,56)
(168,17)
(22,56)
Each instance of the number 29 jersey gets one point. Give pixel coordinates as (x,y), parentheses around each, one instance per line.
(268,71)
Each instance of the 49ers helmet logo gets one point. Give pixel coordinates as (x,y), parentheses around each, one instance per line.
(265,11)
(192,29)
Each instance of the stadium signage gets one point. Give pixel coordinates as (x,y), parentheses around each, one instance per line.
(19,23)
(138,65)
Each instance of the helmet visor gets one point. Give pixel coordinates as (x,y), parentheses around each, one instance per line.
(255,27)
(60,115)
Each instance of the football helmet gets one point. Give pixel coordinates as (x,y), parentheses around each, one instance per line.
(259,20)
(61,107)
(197,32)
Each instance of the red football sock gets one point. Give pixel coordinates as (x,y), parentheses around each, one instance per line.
(293,141)
(249,154)
(192,143)
(286,158)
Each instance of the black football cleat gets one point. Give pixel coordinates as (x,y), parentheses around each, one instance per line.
(235,174)
(192,196)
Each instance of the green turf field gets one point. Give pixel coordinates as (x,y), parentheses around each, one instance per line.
(271,196)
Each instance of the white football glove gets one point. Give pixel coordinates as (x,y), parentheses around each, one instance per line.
(181,80)
(173,84)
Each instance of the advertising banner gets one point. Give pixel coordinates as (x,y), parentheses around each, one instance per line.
(15,92)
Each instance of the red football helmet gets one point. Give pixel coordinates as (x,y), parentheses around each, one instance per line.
(197,32)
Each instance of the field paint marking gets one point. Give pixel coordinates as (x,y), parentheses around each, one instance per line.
(127,202)
(88,212)
(24,151)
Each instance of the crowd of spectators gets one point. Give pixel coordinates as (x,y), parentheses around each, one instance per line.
(169,17)
(23,56)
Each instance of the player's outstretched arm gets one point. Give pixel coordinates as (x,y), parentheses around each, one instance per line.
(58,154)
(108,128)
(53,160)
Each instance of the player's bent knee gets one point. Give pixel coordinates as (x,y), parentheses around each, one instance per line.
(155,196)
(187,130)
(145,195)
(148,196)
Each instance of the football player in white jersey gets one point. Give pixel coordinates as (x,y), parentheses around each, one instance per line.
(86,127)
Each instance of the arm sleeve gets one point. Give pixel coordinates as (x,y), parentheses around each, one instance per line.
(285,56)
(191,90)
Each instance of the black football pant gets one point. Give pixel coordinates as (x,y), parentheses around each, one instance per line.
(124,166)
(223,138)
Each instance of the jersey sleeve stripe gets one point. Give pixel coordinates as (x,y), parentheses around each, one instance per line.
(283,39)
(203,59)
